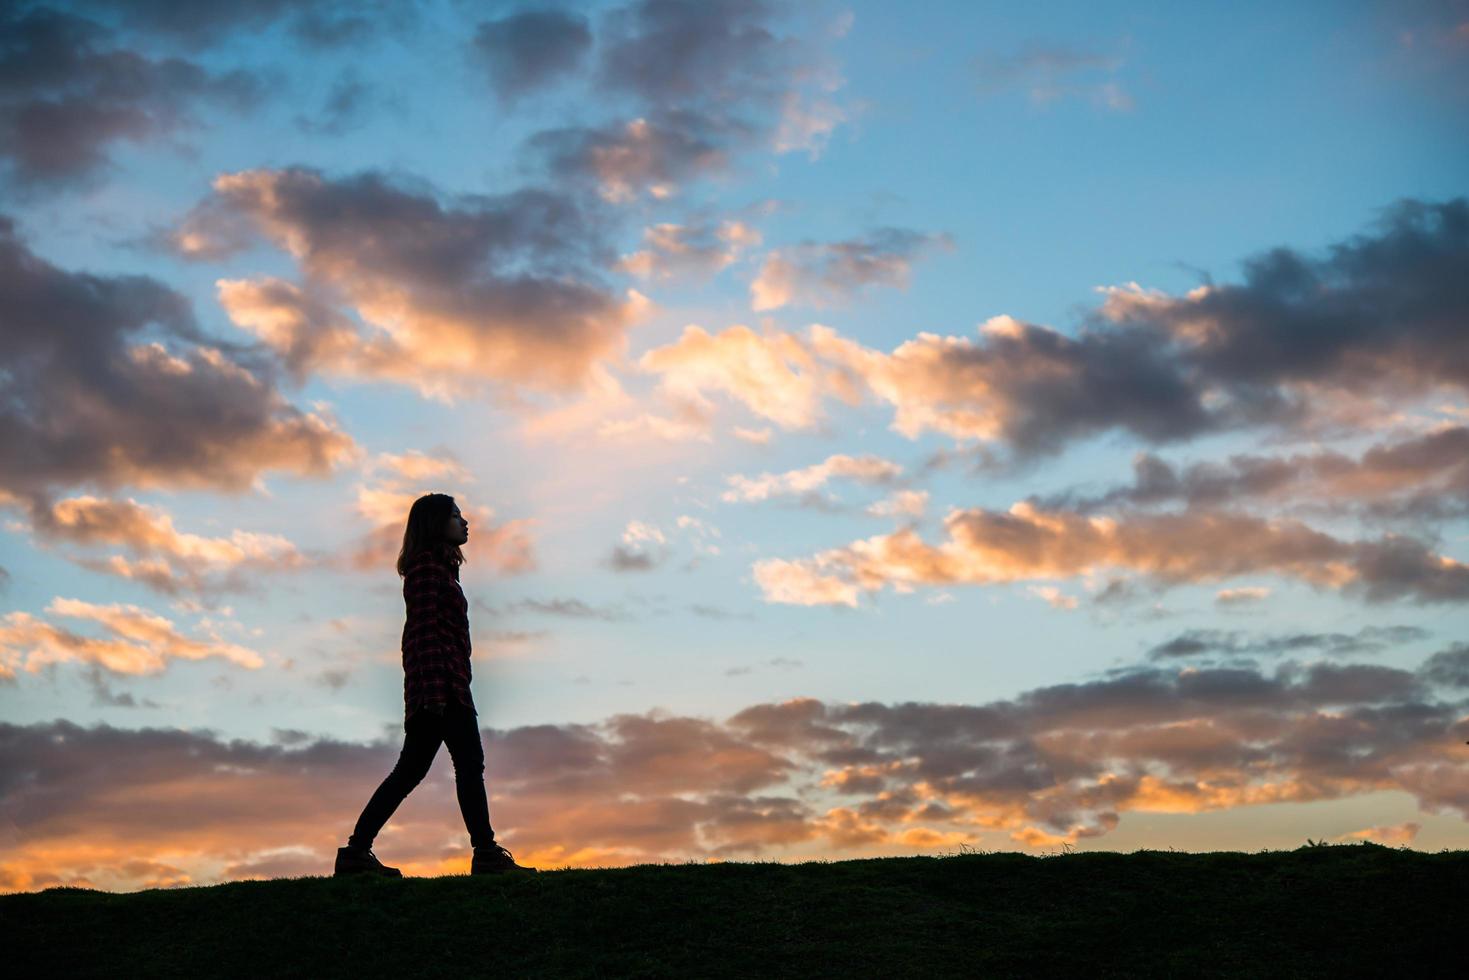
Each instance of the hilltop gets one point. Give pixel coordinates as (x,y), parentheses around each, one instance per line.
(1315,911)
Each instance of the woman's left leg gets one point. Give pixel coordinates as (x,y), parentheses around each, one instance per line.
(462,736)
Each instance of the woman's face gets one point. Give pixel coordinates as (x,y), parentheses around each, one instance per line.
(457,530)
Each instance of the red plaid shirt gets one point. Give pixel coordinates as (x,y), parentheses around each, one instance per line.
(436,645)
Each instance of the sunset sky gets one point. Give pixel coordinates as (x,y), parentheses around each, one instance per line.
(883,428)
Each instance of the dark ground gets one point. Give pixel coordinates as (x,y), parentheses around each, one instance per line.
(1318,911)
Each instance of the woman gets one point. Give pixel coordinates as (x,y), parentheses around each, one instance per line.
(437,706)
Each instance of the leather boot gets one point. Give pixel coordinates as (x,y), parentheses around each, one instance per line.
(360,860)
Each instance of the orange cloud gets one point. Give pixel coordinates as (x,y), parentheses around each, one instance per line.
(165,559)
(141,642)
(508,546)
(421,275)
(1029,542)
(150,807)
(864,469)
(1396,835)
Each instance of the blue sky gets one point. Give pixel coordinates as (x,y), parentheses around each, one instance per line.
(963,199)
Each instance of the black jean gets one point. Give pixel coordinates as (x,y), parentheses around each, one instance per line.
(457,728)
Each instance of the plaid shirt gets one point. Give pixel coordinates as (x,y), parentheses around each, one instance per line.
(436,645)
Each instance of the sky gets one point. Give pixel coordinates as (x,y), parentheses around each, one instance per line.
(884,429)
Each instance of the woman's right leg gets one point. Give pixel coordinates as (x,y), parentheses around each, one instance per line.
(420,745)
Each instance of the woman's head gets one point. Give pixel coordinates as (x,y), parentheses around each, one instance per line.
(434,525)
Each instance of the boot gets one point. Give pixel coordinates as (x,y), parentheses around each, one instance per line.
(360,860)
(493,859)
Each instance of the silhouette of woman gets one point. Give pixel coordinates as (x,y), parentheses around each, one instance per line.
(437,705)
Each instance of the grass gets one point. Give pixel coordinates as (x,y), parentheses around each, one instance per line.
(1344,910)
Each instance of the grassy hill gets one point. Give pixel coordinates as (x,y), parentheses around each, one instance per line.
(1346,910)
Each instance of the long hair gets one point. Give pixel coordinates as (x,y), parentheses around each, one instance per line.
(427,519)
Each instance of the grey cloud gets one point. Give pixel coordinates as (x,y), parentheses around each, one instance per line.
(828,273)
(319,23)
(66,96)
(531,49)
(715,612)
(697,249)
(343,109)
(1035,58)
(87,399)
(1052,389)
(1421,478)
(696,52)
(1382,310)
(785,662)
(625,559)
(104,696)
(1055,763)
(571,608)
(704,81)
(1449,668)
(663,149)
(1380,315)
(510,279)
(1398,567)
(1236,643)
(1051,71)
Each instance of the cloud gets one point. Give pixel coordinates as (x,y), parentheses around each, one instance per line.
(1397,835)
(807,124)
(825,274)
(1028,386)
(1243,596)
(1052,72)
(397,480)
(67,94)
(1054,597)
(868,469)
(646,546)
(655,153)
(677,53)
(706,80)
(775,374)
(1025,385)
(798,778)
(87,404)
(139,641)
(987,547)
(1424,477)
(1448,668)
(305,330)
(1377,314)
(902,503)
(317,23)
(1235,643)
(162,557)
(531,49)
(643,547)
(570,608)
(484,288)
(1298,343)
(758,437)
(706,611)
(343,109)
(700,534)
(694,251)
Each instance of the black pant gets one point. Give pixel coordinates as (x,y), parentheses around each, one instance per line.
(458,728)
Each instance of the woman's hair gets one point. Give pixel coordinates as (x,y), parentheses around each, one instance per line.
(427,519)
